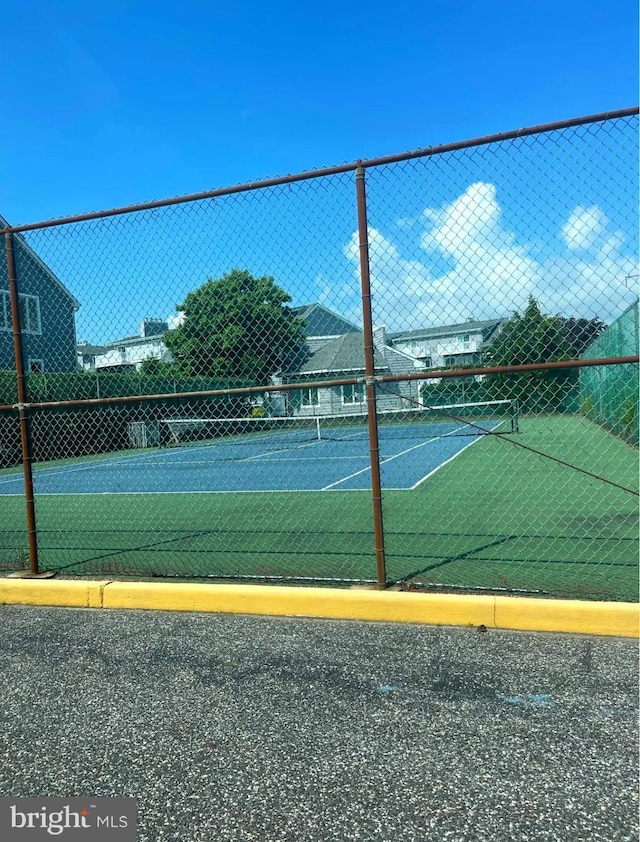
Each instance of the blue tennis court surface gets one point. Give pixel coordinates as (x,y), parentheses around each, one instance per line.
(258,465)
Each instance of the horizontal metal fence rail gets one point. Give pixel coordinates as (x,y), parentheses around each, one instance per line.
(411,330)
(327,171)
(346,381)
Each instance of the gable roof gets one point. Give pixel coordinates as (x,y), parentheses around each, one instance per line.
(346,353)
(90,350)
(448,330)
(42,264)
(320,321)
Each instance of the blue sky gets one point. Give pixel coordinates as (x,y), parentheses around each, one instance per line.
(108,104)
(129,101)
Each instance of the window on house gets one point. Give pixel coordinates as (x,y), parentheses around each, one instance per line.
(353,394)
(309,397)
(30,314)
(36,366)
(460,359)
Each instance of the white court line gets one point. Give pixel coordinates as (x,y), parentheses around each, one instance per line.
(391,458)
(304,446)
(73,468)
(318,457)
(455,456)
(69,469)
(442,464)
(200,493)
(142,458)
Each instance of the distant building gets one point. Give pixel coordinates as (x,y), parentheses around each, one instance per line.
(47,313)
(87,355)
(129,353)
(334,349)
(448,345)
(321,325)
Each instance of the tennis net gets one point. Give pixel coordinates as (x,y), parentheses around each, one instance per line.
(468,419)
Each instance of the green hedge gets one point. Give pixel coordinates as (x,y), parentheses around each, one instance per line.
(89,384)
(60,433)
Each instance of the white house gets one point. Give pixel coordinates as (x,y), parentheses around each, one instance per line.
(129,353)
(448,345)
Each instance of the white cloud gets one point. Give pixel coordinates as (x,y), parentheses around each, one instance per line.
(473,267)
(584,228)
(397,285)
(405,222)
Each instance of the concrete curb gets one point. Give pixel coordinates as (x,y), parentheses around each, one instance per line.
(619,619)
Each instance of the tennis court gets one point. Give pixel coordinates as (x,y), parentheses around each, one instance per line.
(271,457)
(460,511)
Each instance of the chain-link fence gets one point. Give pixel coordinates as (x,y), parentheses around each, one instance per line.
(404,371)
(609,394)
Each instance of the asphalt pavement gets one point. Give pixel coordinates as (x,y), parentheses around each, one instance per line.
(228,727)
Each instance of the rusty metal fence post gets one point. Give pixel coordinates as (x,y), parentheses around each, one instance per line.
(24,417)
(369,358)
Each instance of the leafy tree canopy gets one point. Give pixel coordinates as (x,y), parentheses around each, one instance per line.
(528,337)
(531,337)
(155,367)
(235,326)
(581,333)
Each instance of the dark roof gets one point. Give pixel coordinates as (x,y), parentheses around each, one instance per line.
(447,330)
(43,265)
(346,353)
(91,350)
(320,321)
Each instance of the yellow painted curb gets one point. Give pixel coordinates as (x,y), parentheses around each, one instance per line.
(621,619)
(392,607)
(56,592)
(570,616)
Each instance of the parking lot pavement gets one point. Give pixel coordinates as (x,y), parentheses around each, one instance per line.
(250,728)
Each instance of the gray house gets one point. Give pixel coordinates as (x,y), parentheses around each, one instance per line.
(47,311)
(332,356)
(321,325)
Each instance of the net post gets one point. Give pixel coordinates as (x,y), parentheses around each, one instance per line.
(369,358)
(24,415)
(318,432)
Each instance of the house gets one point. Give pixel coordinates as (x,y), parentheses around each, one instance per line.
(87,355)
(321,325)
(448,345)
(129,353)
(333,356)
(47,311)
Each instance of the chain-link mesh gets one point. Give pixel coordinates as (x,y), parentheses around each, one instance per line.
(515,253)
(609,394)
(200,377)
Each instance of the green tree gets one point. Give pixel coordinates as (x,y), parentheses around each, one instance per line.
(235,326)
(531,338)
(581,333)
(157,368)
